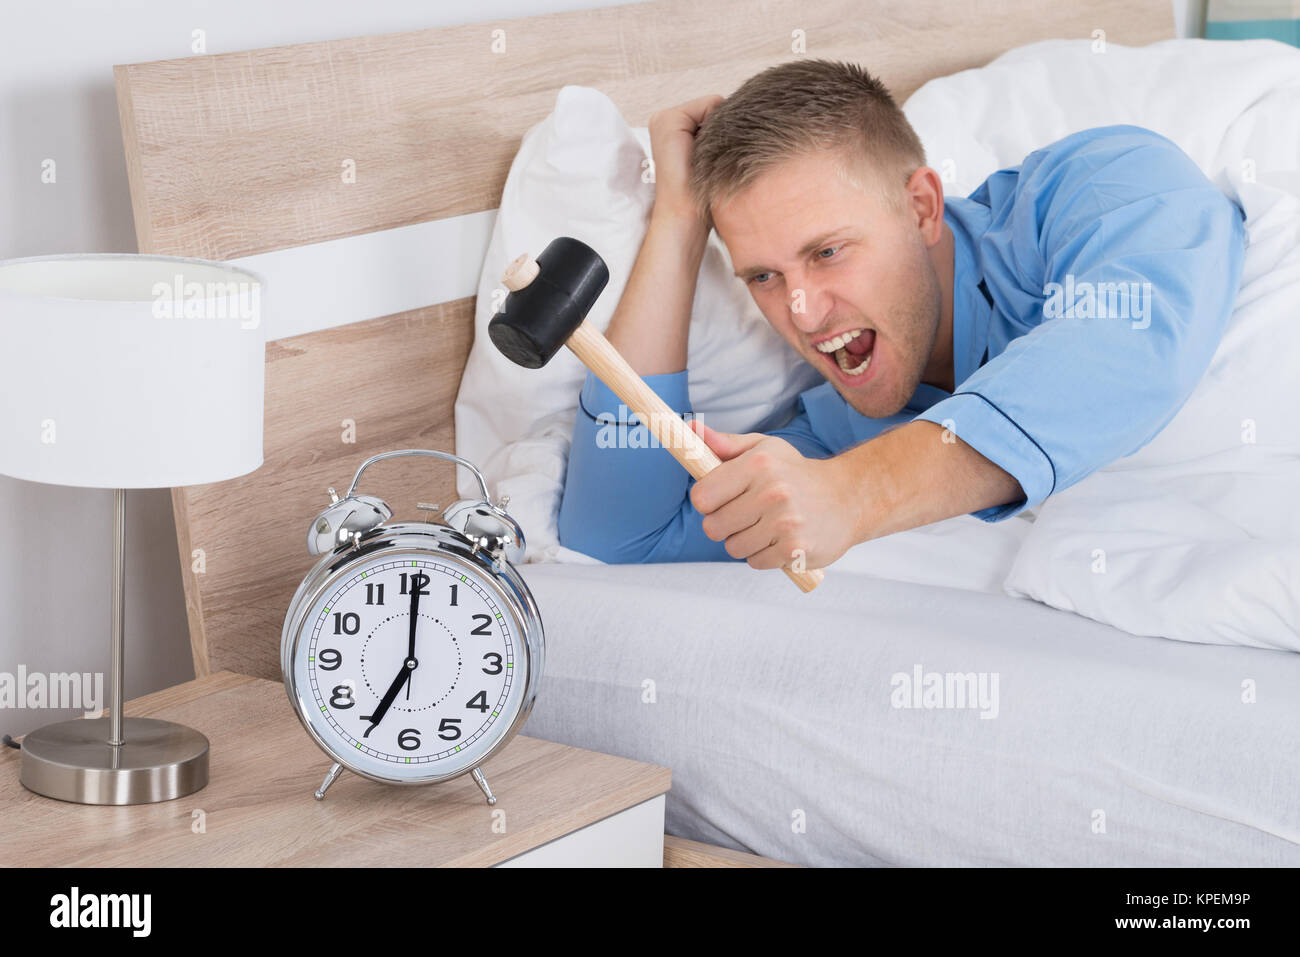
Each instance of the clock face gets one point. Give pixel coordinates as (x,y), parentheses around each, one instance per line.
(410,666)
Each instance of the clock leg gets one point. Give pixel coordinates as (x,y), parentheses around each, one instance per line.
(481,781)
(330,778)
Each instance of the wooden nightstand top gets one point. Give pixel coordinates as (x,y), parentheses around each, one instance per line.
(258,808)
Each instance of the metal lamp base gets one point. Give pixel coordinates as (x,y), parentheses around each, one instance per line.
(73,761)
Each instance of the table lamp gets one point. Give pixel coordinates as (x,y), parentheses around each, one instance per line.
(126,371)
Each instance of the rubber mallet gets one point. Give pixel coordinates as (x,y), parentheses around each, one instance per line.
(546,308)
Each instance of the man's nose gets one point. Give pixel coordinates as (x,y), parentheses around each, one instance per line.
(807,312)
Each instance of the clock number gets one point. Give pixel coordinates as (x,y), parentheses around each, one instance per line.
(454,586)
(342,697)
(496,664)
(449,724)
(482,629)
(409,739)
(417,581)
(374,593)
(329,660)
(346,624)
(479,701)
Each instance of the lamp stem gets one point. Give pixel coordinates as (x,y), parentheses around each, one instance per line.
(118,650)
(89,760)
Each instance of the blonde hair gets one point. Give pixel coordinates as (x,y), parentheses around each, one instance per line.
(796,109)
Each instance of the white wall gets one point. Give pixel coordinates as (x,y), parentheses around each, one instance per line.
(57,101)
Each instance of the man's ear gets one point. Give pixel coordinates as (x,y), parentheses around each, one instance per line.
(925,203)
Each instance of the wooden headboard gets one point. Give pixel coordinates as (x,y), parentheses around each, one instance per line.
(237,154)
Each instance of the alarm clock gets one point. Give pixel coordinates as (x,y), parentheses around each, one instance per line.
(412,651)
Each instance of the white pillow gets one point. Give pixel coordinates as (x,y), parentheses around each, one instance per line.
(1206,552)
(1208,96)
(579,173)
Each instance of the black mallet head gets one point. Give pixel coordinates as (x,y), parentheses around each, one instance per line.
(548,300)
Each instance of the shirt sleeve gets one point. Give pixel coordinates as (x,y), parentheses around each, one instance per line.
(626,499)
(1135,258)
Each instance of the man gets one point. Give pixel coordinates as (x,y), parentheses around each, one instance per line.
(980,353)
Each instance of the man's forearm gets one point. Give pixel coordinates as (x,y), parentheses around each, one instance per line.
(652,322)
(914,475)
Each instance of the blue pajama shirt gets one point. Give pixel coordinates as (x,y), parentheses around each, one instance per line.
(1092,284)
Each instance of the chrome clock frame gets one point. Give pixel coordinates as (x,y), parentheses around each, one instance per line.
(486,557)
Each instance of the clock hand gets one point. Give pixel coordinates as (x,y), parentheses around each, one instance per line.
(408,666)
(417,583)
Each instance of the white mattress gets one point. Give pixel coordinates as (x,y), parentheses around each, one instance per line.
(773,709)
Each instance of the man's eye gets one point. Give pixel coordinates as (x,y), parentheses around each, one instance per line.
(829,249)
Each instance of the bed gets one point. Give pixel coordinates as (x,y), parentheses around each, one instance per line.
(778,719)
(799,727)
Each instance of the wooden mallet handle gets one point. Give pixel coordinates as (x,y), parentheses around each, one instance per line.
(546,309)
(598,355)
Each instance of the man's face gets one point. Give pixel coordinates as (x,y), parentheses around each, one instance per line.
(825,259)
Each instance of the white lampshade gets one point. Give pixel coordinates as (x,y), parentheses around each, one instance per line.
(126,371)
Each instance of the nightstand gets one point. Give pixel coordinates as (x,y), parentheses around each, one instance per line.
(557,805)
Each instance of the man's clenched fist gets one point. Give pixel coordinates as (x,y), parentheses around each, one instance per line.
(773,506)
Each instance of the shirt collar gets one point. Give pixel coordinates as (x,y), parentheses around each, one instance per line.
(972,307)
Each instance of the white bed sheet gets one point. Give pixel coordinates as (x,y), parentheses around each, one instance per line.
(772,707)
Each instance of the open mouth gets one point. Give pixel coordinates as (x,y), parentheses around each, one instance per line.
(850,352)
